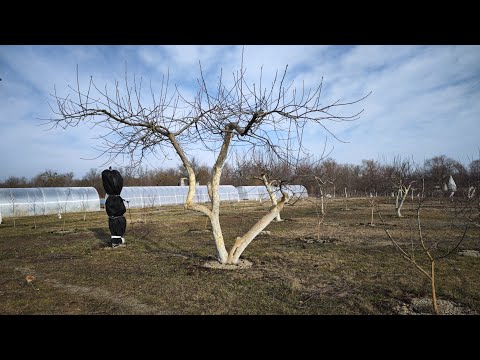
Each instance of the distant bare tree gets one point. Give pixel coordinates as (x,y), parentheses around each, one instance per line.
(370,173)
(93,178)
(402,193)
(33,204)
(473,212)
(322,183)
(402,171)
(474,174)
(15,182)
(62,209)
(51,178)
(471,192)
(230,113)
(320,218)
(144,206)
(399,177)
(322,175)
(346,200)
(13,202)
(270,171)
(372,204)
(430,249)
(468,207)
(59,209)
(84,204)
(439,168)
(331,170)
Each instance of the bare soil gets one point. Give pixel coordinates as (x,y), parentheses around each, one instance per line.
(344,266)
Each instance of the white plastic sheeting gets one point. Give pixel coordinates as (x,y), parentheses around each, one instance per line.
(261,193)
(297,191)
(253,193)
(150,196)
(47,200)
(451,184)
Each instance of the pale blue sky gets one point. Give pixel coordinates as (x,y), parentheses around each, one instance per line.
(425,100)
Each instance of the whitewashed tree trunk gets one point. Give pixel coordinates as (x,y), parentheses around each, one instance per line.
(396,199)
(213,214)
(13,202)
(271,194)
(322,208)
(398,212)
(321,185)
(471,192)
(346,196)
(278,218)
(242,242)
(404,190)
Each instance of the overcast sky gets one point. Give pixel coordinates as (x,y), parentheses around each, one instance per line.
(425,100)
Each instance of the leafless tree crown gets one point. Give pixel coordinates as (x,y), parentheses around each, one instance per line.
(271,116)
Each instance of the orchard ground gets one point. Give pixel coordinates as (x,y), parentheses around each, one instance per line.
(351,268)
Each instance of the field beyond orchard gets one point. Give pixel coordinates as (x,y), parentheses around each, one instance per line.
(348,267)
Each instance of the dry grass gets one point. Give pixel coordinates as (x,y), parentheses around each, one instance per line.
(353,269)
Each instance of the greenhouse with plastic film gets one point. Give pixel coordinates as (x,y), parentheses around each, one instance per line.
(150,196)
(297,191)
(261,193)
(47,200)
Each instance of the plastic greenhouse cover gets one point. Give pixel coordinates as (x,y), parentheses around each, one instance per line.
(252,192)
(260,192)
(297,190)
(51,200)
(150,196)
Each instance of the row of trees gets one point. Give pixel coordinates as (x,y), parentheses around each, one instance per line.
(326,177)
(227,115)
(239,115)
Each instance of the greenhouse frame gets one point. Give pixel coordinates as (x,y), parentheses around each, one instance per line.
(150,196)
(47,200)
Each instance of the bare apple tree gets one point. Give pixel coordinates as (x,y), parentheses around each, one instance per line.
(33,205)
(63,209)
(83,197)
(400,174)
(324,174)
(432,249)
(219,117)
(320,209)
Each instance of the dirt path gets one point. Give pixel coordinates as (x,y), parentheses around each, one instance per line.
(124,301)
